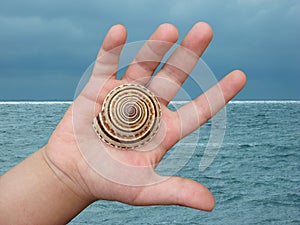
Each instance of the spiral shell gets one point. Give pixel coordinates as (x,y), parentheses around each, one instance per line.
(129,118)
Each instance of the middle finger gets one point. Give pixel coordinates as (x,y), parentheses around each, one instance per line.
(169,79)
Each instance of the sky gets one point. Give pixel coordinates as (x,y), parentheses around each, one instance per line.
(46,45)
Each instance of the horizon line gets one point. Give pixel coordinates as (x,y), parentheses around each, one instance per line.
(36,102)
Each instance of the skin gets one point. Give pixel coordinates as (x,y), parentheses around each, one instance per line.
(55,183)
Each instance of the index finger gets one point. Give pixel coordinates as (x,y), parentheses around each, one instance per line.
(209,103)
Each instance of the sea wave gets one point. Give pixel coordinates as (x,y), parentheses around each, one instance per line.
(34,102)
(172,102)
(266,102)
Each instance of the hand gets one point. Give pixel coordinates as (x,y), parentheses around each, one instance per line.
(75,168)
(63,153)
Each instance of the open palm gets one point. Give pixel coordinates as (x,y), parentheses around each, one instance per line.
(93,169)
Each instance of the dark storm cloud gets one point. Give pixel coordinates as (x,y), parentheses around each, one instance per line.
(46,45)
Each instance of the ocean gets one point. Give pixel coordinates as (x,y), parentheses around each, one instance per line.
(255,176)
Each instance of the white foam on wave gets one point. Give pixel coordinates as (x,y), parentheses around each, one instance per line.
(179,102)
(266,102)
(250,102)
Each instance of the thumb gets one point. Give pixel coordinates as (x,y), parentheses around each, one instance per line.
(177,191)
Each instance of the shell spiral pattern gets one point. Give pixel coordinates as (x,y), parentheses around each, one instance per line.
(129,118)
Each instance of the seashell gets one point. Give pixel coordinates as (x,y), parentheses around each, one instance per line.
(129,118)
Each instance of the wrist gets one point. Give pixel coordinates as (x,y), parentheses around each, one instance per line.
(34,192)
(68,174)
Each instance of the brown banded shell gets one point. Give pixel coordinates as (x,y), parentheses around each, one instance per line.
(129,118)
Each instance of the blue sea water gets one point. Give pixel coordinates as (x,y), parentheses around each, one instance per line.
(255,177)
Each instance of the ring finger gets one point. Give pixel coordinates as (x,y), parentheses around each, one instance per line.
(180,64)
(150,55)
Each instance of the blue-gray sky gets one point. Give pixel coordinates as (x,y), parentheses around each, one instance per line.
(45,45)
